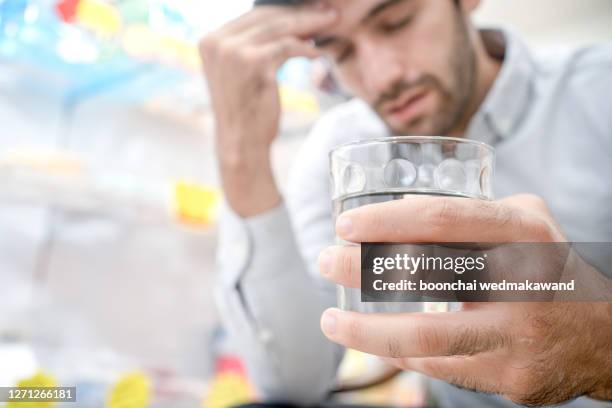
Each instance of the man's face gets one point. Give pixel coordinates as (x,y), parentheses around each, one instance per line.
(411,60)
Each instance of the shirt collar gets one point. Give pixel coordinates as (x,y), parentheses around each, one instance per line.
(508,99)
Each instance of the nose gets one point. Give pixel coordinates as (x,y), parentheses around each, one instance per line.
(379,66)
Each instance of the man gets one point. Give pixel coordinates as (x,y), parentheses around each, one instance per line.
(416,67)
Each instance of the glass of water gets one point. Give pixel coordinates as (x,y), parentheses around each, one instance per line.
(390,168)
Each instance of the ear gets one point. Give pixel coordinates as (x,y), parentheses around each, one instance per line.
(469,5)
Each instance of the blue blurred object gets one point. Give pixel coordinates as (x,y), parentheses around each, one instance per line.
(61,58)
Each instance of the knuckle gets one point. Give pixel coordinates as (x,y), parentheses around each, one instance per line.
(208,45)
(249,56)
(536,201)
(540,230)
(355,332)
(268,30)
(442,213)
(394,347)
(504,213)
(225,49)
(464,343)
(228,51)
(376,219)
(347,265)
(429,341)
(537,332)
(242,55)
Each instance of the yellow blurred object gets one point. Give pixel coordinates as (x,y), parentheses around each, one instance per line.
(228,390)
(102,18)
(299,101)
(38,380)
(140,41)
(195,204)
(133,390)
(179,51)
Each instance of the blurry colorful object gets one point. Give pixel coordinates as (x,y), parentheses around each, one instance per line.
(195,204)
(230,387)
(147,30)
(299,100)
(131,50)
(100,17)
(38,380)
(66,181)
(66,9)
(133,390)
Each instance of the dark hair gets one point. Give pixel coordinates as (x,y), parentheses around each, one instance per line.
(294,2)
(278,2)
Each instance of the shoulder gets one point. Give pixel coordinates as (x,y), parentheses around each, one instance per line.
(580,82)
(585,70)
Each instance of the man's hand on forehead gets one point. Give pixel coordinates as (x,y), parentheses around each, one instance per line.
(241,61)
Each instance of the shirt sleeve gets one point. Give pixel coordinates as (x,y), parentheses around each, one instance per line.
(271,306)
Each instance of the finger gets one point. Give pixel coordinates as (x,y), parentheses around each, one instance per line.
(251,18)
(302,23)
(436,219)
(416,334)
(538,209)
(476,373)
(342,265)
(269,22)
(274,54)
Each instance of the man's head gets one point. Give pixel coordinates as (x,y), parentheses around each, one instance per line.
(413,61)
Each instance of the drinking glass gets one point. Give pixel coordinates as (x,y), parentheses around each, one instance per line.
(391,168)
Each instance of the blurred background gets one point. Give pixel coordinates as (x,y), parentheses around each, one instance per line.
(109,191)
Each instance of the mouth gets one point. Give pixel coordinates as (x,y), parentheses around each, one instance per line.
(407,107)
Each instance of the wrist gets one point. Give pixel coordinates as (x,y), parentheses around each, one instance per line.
(244,160)
(248,183)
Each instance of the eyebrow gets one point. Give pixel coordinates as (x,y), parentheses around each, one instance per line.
(376,10)
(379,8)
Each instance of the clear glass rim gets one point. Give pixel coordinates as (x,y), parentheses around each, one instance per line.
(399,139)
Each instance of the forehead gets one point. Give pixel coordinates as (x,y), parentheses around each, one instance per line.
(354,9)
(352,12)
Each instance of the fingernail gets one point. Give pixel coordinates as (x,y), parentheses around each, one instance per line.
(325,261)
(329,323)
(344,226)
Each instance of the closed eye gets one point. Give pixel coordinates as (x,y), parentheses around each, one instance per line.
(395,26)
(344,55)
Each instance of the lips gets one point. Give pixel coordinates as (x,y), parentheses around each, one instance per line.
(407,107)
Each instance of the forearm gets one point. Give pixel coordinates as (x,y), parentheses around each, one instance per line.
(248,180)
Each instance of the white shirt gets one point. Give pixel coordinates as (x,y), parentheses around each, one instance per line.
(550,120)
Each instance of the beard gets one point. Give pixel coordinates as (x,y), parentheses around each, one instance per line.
(453,100)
